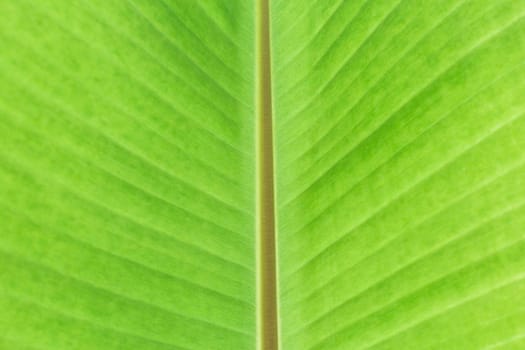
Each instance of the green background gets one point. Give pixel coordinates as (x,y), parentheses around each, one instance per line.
(128,177)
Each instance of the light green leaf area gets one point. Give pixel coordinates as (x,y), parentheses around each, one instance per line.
(126,174)
(400,147)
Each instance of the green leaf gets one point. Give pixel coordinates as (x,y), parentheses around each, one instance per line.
(132,165)
(126,175)
(401,159)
